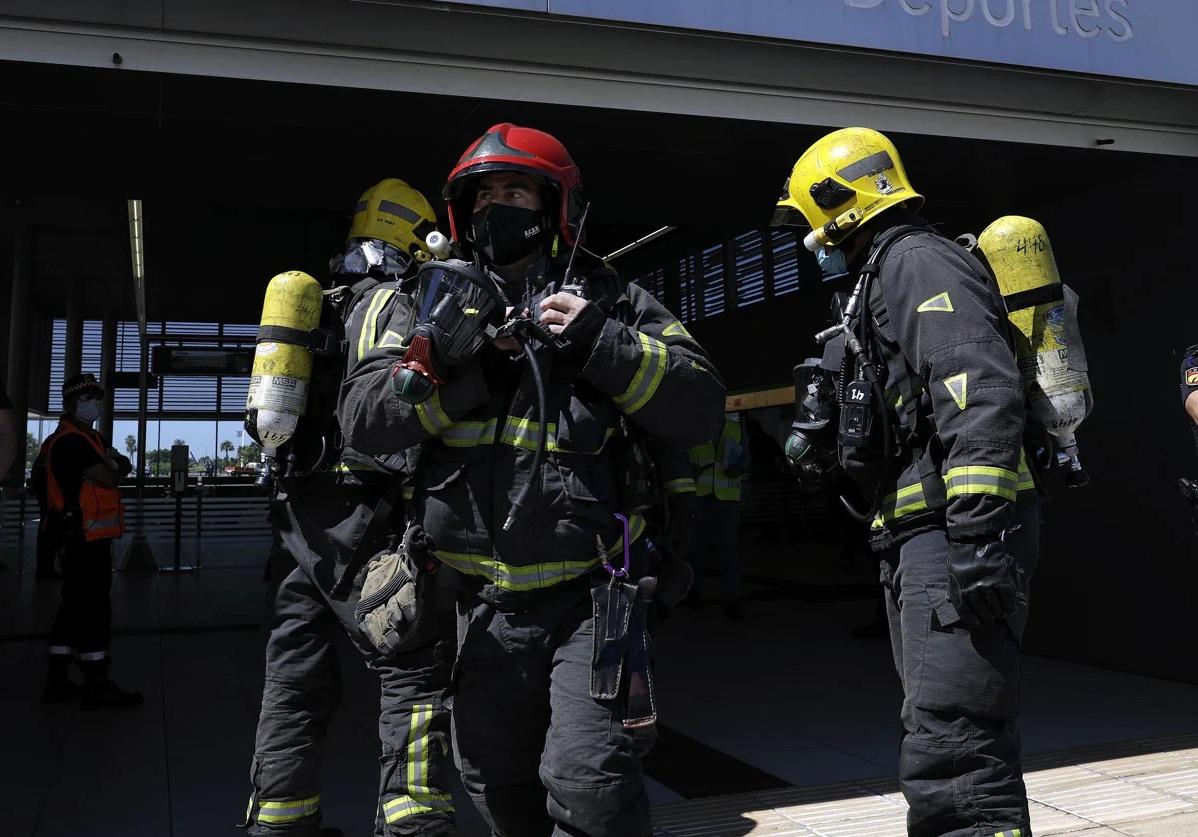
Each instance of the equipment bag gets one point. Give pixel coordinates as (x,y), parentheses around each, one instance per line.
(391,613)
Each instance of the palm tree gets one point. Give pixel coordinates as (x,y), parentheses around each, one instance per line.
(226,447)
(131,446)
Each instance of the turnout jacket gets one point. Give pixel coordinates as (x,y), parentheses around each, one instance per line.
(954,394)
(478,433)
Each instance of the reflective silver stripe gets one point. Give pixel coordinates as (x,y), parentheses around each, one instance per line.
(360,206)
(398,807)
(872,164)
(60,650)
(93,656)
(431,415)
(648,376)
(469,434)
(287,810)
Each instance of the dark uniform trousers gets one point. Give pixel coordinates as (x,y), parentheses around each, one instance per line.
(302,685)
(959,763)
(537,754)
(83,623)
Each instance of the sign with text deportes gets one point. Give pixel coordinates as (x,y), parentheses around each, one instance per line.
(1138,39)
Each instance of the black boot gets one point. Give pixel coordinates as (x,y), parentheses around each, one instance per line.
(101,693)
(59,685)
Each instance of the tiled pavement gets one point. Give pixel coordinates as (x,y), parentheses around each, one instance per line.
(786,695)
(1141,789)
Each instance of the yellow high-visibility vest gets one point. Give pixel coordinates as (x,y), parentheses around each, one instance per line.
(710,461)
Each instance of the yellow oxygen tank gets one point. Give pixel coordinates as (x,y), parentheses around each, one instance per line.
(282,371)
(1043,314)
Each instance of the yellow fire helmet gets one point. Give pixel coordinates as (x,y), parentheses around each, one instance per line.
(394,212)
(841,182)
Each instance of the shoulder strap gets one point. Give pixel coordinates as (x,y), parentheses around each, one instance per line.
(380,519)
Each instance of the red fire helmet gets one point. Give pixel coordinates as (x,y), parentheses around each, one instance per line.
(508,147)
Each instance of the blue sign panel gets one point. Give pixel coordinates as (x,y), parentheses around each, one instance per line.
(1144,39)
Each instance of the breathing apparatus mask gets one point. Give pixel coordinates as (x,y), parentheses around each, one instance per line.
(457,307)
(811,446)
(364,255)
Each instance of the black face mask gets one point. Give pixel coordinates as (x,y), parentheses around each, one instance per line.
(506,234)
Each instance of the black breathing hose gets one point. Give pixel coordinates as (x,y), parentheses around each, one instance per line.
(869,370)
(533,478)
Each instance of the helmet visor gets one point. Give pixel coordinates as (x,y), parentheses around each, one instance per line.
(788,216)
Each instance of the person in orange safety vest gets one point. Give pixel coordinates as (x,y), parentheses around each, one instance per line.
(80,471)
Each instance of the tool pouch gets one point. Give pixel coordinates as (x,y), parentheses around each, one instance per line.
(397,584)
(640,713)
(620,665)
(612,606)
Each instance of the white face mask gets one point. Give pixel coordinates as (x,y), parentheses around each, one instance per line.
(87,411)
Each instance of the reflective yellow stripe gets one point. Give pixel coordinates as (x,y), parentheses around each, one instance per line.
(980,479)
(648,376)
(287,810)
(355,467)
(534,576)
(525,433)
(1018,832)
(967,479)
(431,415)
(369,327)
(390,338)
(420,798)
(511,577)
(682,485)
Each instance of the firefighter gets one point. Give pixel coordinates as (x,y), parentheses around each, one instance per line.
(545,742)
(84,514)
(338,508)
(931,434)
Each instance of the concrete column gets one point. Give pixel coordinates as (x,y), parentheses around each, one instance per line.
(18,341)
(74,348)
(107,367)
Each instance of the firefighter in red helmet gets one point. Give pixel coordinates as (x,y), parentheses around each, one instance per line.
(549,732)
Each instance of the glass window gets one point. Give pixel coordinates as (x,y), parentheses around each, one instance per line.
(785,250)
(713,280)
(749,253)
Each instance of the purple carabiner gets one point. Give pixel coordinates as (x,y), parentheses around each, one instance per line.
(622,572)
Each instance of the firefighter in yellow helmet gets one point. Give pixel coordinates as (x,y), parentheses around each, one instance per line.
(335,510)
(930,434)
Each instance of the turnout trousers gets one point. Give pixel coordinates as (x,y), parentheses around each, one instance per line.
(959,763)
(538,755)
(301,692)
(318,527)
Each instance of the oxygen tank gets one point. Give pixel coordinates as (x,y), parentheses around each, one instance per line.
(1043,315)
(282,371)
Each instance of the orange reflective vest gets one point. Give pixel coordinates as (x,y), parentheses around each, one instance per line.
(101,511)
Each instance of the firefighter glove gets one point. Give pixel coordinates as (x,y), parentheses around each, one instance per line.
(985,584)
